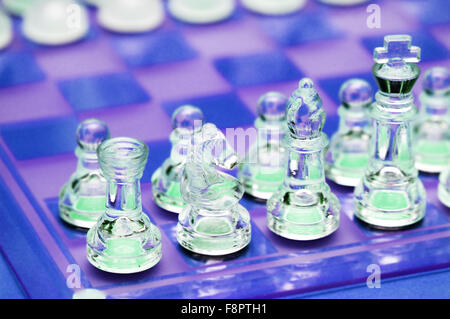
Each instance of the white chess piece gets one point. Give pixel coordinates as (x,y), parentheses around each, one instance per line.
(55,22)
(273,7)
(5,30)
(201,11)
(343,2)
(129,16)
(17,7)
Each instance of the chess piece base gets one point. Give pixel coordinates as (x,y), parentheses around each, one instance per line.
(432,157)
(214,233)
(171,200)
(444,195)
(347,170)
(216,13)
(259,181)
(82,206)
(303,214)
(118,245)
(390,205)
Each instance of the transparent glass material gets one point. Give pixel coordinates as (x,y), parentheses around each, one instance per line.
(201,11)
(390,194)
(432,127)
(262,171)
(123,240)
(166,180)
(213,222)
(444,187)
(130,16)
(348,153)
(82,198)
(51,22)
(17,7)
(343,2)
(274,7)
(304,208)
(6,32)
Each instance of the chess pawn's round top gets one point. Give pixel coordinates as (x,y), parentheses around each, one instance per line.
(355,94)
(305,115)
(82,198)
(187,117)
(17,7)
(201,11)
(348,153)
(90,134)
(273,7)
(186,120)
(55,22)
(432,129)
(6,32)
(131,16)
(436,82)
(272,107)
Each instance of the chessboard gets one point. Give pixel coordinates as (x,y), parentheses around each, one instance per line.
(134,83)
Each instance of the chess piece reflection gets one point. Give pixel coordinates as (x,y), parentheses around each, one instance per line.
(348,153)
(82,198)
(304,208)
(213,222)
(263,169)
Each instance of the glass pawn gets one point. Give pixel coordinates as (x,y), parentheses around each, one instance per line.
(213,222)
(304,208)
(432,129)
(82,198)
(130,16)
(50,22)
(186,120)
(390,195)
(201,11)
(123,240)
(263,169)
(444,187)
(348,153)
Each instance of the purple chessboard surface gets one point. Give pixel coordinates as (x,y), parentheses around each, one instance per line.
(134,82)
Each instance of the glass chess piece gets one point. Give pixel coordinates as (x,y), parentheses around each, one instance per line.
(53,22)
(390,195)
(444,187)
(213,222)
(166,180)
(82,198)
(130,16)
(273,7)
(6,32)
(17,7)
(343,2)
(262,171)
(348,153)
(304,208)
(201,11)
(432,128)
(123,240)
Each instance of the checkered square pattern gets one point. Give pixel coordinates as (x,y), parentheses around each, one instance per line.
(135,82)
